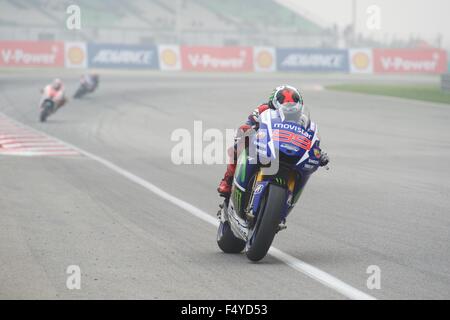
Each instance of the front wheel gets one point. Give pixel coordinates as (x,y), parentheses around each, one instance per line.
(267,222)
(79,93)
(47,109)
(227,241)
(43,116)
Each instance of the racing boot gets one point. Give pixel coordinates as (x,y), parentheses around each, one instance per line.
(224,188)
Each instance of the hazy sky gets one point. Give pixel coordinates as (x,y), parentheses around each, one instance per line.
(425,18)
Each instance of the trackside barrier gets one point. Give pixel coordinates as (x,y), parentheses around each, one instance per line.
(72,54)
(360,60)
(32,54)
(122,56)
(217,58)
(410,60)
(312,60)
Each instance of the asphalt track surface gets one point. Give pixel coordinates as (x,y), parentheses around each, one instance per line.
(385,201)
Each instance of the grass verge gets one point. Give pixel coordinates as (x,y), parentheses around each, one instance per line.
(432,93)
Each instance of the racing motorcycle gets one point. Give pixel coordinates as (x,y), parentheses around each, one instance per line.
(271,174)
(85,88)
(47,104)
(47,108)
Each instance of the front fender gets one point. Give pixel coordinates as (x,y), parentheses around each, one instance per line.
(258,194)
(260,191)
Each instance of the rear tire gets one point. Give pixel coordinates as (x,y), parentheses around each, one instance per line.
(266,225)
(227,241)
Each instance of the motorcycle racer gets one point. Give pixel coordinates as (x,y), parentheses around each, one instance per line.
(283,95)
(88,84)
(55,91)
(90,81)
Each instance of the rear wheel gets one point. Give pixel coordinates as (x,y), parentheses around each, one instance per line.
(227,241)
(267,223)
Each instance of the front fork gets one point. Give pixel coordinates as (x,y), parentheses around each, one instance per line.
(290,180)
(259,188)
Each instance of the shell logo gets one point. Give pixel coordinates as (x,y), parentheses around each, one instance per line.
(361,60)
(76,55)
(264,59)
(169,57)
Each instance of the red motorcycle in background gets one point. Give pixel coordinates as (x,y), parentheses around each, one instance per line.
(52,99)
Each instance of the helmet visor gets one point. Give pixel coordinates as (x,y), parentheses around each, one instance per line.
(290,111)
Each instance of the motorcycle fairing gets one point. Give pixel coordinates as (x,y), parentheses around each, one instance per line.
(245,169)
(287,137)
(297,145)
(282,140)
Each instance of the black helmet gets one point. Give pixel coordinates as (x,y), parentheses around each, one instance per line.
(286,95)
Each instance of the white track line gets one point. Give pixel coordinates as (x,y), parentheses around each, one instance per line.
(297,264)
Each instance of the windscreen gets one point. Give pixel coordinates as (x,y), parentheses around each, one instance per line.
(295,113)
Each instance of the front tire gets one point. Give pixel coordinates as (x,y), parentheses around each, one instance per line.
(267,223)
(43,115)
(79,93)
(227,241)
(46,111)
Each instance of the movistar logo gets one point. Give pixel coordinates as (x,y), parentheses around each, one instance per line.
(292,127)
